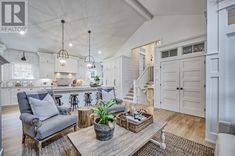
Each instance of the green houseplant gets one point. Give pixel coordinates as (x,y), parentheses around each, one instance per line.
(104,120)
(97,79)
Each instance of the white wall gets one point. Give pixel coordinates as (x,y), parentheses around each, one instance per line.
(168,29)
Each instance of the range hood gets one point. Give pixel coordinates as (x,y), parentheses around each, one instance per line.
(3,60)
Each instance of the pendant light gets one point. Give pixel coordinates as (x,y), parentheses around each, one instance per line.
(23,58)
(62,55)
(89,60)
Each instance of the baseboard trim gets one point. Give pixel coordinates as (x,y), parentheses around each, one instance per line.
(1,152)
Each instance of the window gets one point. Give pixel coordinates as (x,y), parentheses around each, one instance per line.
(187,50)
(231,16)
(22,71)
(169,53)
(199,47)
(92,73)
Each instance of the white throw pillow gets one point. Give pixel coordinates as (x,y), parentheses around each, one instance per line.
(49,98)
(107,95)
(45,108)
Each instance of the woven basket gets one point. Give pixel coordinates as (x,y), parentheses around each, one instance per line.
(134,126)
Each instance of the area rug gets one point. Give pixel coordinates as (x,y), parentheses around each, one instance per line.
(176,146)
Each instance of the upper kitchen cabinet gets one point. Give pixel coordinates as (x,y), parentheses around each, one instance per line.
(71,65)
(46,65)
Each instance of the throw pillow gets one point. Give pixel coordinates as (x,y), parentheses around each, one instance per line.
(43,109)
(107,95)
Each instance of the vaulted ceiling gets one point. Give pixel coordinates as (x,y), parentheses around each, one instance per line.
(174,7)
(112,22)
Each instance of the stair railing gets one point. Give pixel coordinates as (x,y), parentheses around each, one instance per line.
(139,84)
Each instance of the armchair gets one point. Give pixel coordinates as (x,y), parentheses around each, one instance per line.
(38,130)
(225,140)
(108,93)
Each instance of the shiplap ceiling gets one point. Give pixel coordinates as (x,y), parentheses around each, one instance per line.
(112,22)
(174,7)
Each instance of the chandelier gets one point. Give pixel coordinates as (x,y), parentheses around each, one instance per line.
(89,60)
(62,55)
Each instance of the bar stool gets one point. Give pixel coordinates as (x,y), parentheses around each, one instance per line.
(58,99)
(88,99)
(74,101)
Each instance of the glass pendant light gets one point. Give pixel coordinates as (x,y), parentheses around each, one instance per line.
(62,55)
(89,60)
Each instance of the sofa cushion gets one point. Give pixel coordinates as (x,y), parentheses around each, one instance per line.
(225,145)
(55,124)
(117,108)
(45,108)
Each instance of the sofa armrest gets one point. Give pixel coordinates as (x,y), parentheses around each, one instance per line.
(226,127)
(30,119)
(64,110)
(118,101)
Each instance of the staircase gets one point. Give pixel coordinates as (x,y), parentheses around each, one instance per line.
(141,84)
(130,95)
(137,94)
(149,83)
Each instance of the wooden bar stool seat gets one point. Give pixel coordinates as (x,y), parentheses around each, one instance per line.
(58,99)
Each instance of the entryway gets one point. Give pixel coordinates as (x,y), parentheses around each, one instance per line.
(183,85)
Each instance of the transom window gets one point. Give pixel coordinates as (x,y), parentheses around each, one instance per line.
(169,53)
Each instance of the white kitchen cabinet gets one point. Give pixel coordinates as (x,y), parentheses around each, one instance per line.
(117,73)
(81,70)
(14,91)
(6,96)
(9,95)
(47,65)
(71,65)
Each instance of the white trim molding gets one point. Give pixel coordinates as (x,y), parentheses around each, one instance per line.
(217,105)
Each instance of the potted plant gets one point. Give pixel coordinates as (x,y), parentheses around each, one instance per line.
(104,121)
(97,79)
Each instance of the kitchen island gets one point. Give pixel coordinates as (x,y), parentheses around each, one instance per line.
(80,90)
(9,94)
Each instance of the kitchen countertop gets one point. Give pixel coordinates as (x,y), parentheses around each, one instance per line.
(60,88)
(23,87)
(78,88)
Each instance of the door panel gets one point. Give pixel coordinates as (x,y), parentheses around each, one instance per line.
(188,76)
(192,83)
(169,83)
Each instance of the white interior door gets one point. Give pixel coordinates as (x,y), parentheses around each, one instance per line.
(192,91)
(169,85)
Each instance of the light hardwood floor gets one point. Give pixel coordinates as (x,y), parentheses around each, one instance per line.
(190,127)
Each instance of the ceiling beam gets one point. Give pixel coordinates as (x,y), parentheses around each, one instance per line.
(139,8)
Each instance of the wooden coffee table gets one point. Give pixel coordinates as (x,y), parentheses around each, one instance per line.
(123,142)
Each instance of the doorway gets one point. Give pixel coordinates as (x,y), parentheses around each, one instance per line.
(182,85)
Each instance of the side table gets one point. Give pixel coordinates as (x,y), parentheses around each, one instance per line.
(84,117)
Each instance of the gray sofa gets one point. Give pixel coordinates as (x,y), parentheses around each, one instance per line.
(43,130)
(225,144)
(108,93)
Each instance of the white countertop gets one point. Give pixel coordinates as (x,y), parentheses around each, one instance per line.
(58,88)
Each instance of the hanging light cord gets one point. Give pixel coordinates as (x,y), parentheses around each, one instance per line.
(89,45)
(62,21)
